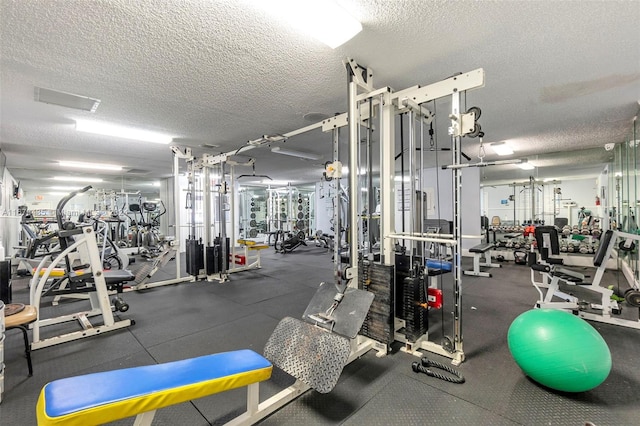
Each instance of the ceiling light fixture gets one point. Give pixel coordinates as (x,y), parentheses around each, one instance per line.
(65,188)
(324,20)
(501,148)
(106,129)
(292,153)
(526,166)
(62,194)
(95,166)
(77,179)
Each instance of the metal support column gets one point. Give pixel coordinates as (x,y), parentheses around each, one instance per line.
(457,228)
(353,177)
(387,178)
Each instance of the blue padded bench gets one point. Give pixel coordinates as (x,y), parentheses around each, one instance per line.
(478,252)
(100,398)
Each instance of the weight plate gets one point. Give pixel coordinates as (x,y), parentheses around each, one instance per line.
(253,233)
(253,204)
(252,209)
(253,215)
(253,223)
(283,216)
(299,200)
(447,344)
(300,207)
(300,215)
(300,224)
(632,297)
(301,235)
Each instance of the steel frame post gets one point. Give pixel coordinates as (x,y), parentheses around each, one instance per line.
(457,229)
(387,178)
(354,122)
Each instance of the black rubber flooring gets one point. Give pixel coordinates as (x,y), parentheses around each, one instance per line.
(191,319)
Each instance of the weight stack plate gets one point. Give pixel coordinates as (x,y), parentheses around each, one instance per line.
(213,253)
(416,318)
(378,279)
(195,257)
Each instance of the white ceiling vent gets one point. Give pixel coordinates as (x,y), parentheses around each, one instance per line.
(69,100)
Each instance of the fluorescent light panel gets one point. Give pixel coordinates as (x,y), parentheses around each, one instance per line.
(77,179)
(95,166)
(62,194)
(501,148)
(65,188)
(292,153)
(107,129)
(526,166)
(324,20)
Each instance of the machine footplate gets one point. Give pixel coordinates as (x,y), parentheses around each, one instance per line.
(308,353)
(347,318)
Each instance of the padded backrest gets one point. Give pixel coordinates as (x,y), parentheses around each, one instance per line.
(600,256)
(134,207)
(547,241)
(484,222)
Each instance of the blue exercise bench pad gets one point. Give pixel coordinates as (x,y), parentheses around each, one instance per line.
(99,398)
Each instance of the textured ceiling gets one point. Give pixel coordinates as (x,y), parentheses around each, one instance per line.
(560,77)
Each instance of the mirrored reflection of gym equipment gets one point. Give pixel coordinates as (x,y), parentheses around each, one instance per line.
(529,196)
(253,212)
(289,217)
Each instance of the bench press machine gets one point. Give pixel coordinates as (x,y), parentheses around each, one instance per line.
(554,275)
(83,273)
(91,279)
(480,251)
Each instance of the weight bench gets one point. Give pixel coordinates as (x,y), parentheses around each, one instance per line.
(244,260)
(100,398)
(479,251)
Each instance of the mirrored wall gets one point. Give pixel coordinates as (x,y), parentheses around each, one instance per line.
(625,196)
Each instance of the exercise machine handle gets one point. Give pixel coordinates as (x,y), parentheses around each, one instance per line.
(64,201)
(541,268)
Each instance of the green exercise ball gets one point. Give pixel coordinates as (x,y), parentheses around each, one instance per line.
(559,350)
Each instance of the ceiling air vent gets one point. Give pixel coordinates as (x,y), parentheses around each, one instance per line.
(64,99)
